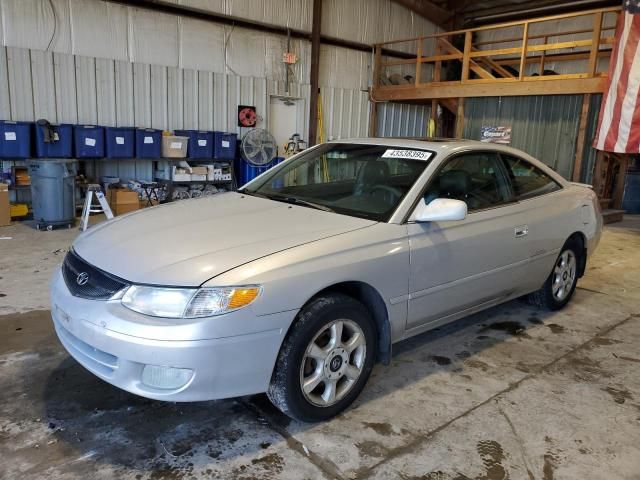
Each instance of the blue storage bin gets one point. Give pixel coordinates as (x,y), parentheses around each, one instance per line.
(15,139)
(200,143)
(120,142)
(245,172)
(89,141)
(148,143)
(60,148)
(224,145)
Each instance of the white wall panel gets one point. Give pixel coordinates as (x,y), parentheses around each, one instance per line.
(86,90)
(190,99)
(64,71)
(220,101)
(159,97)
(44,95)
(141,95)
(20,86)
(106,92)
(175,112)
(99,29)
(124,94)
(28,23)
(201,45)
(5,106)
(153,38)
(205,100)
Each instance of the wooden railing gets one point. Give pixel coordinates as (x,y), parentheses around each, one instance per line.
(490,62)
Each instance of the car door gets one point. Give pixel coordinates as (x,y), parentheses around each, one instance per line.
(459,265)
(547,216)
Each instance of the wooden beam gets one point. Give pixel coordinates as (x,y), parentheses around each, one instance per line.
(467,63)
(556,57)
(373,120)
(428,10)
(523,55)
(460,118)
(316,28)
(595,44)
(618,192)
(510,24)
(418,76)
(376,66)
(500,87)
(580,141)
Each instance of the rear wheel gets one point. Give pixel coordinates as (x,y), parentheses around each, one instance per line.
(561,283)
(325,360)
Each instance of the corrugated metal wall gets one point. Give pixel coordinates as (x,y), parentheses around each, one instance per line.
(67,88)
(95,62)
(589,159)
(402,120)
(543,126)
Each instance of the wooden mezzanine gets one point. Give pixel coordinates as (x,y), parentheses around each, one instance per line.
(491,72)
(444,68)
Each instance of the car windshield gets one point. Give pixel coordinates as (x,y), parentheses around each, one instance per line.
(366,181)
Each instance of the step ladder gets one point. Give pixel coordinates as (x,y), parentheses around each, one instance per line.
(89,208)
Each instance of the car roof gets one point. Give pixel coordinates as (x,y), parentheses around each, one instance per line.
(438,145)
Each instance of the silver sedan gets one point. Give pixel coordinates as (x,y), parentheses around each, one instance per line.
(297,283)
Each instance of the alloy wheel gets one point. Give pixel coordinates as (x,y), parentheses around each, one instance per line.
(333,362)
(564,275)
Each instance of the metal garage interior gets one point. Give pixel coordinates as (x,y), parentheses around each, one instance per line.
(511,392)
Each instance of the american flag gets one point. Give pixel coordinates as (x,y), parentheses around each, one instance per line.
(619,127)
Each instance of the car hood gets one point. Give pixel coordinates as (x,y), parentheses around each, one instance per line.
(189,242)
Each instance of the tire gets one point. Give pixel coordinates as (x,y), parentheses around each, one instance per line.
(312,356)
(561,283)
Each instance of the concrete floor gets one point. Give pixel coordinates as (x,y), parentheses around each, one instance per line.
(512,392)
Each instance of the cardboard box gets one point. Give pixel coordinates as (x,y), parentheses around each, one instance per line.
(122,200)
(5,208)
(199,170)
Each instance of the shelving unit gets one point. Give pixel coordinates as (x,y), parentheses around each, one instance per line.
(170,183)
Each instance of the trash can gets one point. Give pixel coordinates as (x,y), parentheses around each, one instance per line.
(53,192)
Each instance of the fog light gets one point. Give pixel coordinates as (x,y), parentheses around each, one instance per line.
(167,378)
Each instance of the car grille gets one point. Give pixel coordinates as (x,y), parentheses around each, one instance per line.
(86,281)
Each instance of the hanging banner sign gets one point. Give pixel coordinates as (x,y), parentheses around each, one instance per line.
(496,135)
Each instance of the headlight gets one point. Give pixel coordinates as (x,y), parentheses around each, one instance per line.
(188,302)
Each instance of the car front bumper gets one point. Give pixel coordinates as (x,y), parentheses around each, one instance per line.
(222,365)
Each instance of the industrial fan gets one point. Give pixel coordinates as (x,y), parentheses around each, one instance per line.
(258,150)
(258,147)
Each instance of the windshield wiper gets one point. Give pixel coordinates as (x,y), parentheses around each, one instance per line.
(299,201)
(251,193)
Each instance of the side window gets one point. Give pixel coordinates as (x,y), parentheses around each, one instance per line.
(528,181)
(475,178)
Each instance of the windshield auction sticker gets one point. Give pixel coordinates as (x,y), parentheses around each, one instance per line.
(410,154)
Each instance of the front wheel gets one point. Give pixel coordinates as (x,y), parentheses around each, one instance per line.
(561,283)
(325,360)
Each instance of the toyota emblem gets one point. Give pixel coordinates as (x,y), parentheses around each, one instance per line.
(82,278)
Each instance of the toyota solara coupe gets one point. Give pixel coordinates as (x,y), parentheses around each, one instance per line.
(297,283)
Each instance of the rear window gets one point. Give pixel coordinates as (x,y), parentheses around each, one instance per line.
(528,181)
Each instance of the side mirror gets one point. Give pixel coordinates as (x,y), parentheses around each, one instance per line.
(440,210)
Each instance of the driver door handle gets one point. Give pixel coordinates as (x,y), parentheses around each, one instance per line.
(521,231)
